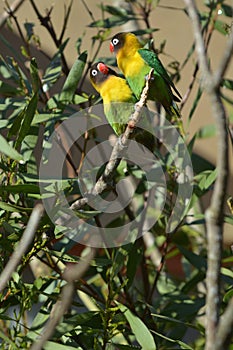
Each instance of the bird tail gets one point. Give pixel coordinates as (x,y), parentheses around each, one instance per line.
(174,116)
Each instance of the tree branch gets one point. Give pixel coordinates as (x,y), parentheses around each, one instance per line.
(13,8)
(224,333)
(214,214)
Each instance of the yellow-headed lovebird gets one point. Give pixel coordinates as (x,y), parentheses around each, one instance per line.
(135,62)
(118,101)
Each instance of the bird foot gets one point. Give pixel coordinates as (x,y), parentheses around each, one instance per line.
(151,77)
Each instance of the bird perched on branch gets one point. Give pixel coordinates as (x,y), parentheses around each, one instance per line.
(119,102)
(135,62)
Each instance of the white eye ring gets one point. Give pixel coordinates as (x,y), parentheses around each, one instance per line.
(115,41)
(94,72)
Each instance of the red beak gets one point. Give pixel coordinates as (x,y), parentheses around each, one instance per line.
(111,47)
(102,68)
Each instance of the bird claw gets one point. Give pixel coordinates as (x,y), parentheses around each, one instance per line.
(147,77)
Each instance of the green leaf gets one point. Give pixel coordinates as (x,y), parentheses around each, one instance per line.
(206,131)
(52,73)
(29,29)
(79,99)
(139,329)
(29,113)
(206,178)
(200,164)
(9,150)
(17,123)
(228,219)
(134,258)
(221,27)
(28,147)
(124,347)
(179,342)
(162,318)
(8,90)
(73,78)
(227,10)
(8,341)
(50,345)
(22,188)
(111,22)
(196,260)
(11,207)
(113,10)
(141,32)
(227,83)
(228,295)
(34,75)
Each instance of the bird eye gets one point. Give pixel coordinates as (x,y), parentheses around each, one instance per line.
(115,41)
(94,72)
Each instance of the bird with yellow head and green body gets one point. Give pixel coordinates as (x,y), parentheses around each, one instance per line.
(119,103)
(135,62)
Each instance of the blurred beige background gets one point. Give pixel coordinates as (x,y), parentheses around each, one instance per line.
(174,27)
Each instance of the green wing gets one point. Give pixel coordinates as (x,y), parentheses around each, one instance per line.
(117,114)
(153,61)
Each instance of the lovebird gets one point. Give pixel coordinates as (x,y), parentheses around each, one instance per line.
(135,62)
(119,101)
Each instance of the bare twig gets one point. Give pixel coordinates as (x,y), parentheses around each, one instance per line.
(207,34)
(224,63)
(46,22)
(66,18)
(214,217)
(71,274)
(13,8)
(23,245)
(224,333)
(88,10)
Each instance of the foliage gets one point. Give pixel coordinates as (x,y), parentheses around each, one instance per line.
(125,300)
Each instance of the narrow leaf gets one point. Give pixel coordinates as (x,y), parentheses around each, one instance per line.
(227,10)
(196,260)
(8,90)
(206,131)
(34,75)
(28,117)
(182,344)
(139,329)
(50,345)
(111,22)
(9,150)
(11,208)
(52,73)
(22,188)
(227,83)
(221,27)
(73,78)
